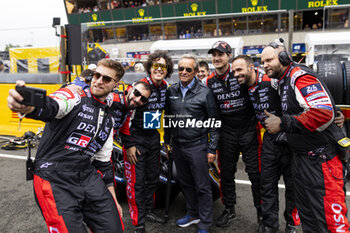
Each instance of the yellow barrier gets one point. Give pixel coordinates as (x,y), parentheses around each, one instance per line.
(9,120)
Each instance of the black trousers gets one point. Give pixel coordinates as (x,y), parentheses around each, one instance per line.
(69,198)
(276,160)
(142,178)
(232,142)
(193,176)
(320,193)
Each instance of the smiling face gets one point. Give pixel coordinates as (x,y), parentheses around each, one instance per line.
(243,72)
(202,72)
(158,70)
(101,86)
(137,96)
(186,68)
(220,60)
(272,66)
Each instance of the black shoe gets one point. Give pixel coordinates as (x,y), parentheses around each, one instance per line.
(266,229)
(227,216)
(140,229)
(290,228)
(153,217)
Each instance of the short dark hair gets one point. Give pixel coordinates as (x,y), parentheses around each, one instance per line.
(246,58)
(86,73)
(144,84)
(156,56)
(204,64)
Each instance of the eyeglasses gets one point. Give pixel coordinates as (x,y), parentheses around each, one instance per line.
(188,69)
(105,78)
(137,93)
(157,65)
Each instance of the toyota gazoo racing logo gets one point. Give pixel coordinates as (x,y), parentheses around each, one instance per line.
(79,140)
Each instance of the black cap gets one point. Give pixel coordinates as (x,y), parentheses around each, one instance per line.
(1,62)
(221,46)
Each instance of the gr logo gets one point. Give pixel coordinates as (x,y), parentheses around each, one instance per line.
(151,120)
(78,139)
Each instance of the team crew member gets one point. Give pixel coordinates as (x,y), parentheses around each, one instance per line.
(238,131)
(203,71)
(142,145)
(84,79)
(73,180)
(275,155)
(308,113)
(191,101)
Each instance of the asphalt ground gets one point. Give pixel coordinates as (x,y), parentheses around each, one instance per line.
(19,212)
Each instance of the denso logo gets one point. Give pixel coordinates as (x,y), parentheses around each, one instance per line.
(338,217)
(78,139)
(86,127)
(228,95)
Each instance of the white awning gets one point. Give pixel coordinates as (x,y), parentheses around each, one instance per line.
(196,44)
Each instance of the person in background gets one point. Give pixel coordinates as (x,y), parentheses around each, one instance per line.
(84,79)
(203,71)
(3,68)
(193,147)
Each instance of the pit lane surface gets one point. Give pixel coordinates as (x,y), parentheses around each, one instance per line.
(19,212)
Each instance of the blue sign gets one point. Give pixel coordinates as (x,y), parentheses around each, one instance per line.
(299,48)
(151,120)
(249,50)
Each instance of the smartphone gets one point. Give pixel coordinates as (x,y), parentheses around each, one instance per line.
(32,96)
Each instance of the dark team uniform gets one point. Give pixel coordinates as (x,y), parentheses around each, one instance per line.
(143,177)
(318,173)
(238,134)
(275,155)
(72,166)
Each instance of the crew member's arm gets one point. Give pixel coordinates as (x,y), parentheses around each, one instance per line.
(58,104)
(103,164)
(213,113)
(318,111)
(128,140)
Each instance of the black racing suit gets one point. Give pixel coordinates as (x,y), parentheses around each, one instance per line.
(238,134)
(143,177)
(318,173)
(276,157)
(72,166)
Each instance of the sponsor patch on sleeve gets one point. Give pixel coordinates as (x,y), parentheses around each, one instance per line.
(315,96)
(322,106)
(305,91)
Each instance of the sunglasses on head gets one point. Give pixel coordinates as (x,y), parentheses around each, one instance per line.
(188,69)
(157,65)
(105,78)
(137,93)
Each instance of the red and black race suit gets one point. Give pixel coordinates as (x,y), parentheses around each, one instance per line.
(318,173)
(238,134)
(78,131)
(276,156)
(143,177)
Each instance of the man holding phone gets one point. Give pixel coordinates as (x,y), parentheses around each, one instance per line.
(73,178)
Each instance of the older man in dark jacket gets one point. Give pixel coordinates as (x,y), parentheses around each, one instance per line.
(191,126)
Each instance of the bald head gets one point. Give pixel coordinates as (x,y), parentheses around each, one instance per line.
(269,58)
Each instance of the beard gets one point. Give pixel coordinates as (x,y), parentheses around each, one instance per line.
(274,72)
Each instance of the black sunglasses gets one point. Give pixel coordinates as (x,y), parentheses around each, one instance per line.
(105,78)
(137,93)
(188,69)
